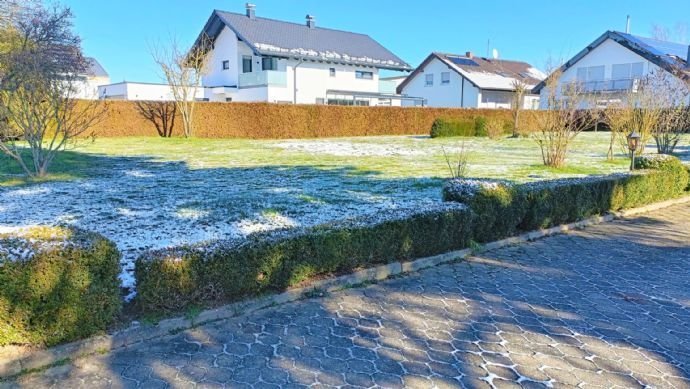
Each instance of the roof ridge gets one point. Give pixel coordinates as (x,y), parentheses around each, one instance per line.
(289,22)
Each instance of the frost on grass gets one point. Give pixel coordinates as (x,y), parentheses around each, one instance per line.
(143,205)
(20,244)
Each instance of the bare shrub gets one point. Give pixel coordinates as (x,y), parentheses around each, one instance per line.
(656,108)
(161,114)
(517,104)
(562,121)
(457,161)
(495,127)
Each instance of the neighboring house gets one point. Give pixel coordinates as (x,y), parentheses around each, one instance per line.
(128,90)
(260,59)
(466,81)
(95,75)
(615,63)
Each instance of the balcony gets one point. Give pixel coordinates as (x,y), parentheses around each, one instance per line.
(263,78)
(610,86)
(387,87)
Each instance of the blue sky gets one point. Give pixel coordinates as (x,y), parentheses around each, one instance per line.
(120,32)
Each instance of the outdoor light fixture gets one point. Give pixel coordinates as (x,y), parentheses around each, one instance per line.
(633,146)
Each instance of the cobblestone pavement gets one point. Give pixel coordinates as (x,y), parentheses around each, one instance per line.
(603,307)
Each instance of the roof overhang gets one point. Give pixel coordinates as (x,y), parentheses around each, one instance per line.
(214,26)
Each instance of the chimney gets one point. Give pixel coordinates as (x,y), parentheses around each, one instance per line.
(469,55)
(311,21)
(251,11)
(627,25)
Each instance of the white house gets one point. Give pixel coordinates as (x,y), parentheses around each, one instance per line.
(95,75)
(260,59)
(615,63)
(466,81)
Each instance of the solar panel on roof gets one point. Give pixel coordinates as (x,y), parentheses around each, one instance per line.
(462,61)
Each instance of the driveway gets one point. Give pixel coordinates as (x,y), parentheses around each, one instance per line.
(606,306)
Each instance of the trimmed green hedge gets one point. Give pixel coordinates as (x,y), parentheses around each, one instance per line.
(56,285)
(171,280)
(220,272)
(502,209)
(445,127)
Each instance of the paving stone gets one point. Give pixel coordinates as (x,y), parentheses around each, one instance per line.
(600,307)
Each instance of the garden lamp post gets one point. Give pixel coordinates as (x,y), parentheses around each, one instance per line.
(633,146)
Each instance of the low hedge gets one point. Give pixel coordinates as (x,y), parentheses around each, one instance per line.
(170,280)
(56,285)
(463,126)
(219,272)
(503,209)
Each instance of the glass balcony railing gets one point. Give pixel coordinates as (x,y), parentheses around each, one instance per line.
(604,86)
(387,87)
(263,78)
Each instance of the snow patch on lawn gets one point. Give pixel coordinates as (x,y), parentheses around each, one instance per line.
(348,149)
(142,205)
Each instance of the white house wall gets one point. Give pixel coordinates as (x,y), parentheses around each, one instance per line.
(225,49)
(140,91)
(441,95)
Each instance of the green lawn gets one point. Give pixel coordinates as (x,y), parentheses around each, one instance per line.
(149,193)
(394,156)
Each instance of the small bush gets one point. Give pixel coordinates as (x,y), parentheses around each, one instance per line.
(657,161)
(480,126)
(58,285)
(497,127)
(445,127)
(220,272)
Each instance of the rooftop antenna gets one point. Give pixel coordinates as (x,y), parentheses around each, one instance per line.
(488,44)
(627,25)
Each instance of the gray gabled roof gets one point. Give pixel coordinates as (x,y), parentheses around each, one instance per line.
(292,40)
(484,73)
(670,56)
(94,68)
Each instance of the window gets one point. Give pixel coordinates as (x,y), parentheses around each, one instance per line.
(332,72)
(269,63)
(246,64)
(364,75)
(228,99)
(627,71)
(429,80)
(226,65)
(595,73)
(445,78)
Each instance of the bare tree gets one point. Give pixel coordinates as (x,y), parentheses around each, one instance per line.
(563,119)
(657,108)
(39,81)
(517,104)
(183,70)
(161,114)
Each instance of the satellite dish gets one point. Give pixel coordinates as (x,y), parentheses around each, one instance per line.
(495,54)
